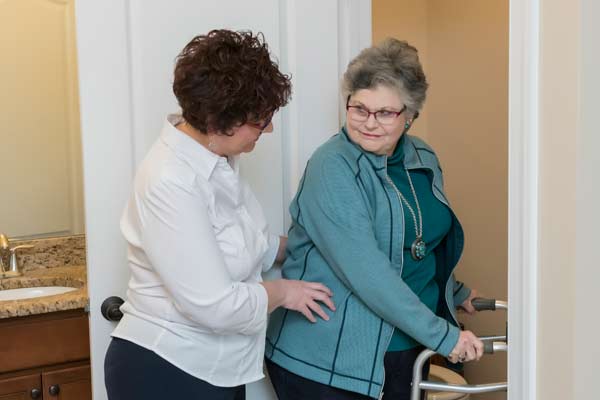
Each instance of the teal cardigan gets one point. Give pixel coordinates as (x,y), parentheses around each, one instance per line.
(437,220)
(348,233)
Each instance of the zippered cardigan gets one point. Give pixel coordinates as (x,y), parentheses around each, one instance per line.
(348,232)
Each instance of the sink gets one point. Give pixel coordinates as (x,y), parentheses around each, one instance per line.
(28,293)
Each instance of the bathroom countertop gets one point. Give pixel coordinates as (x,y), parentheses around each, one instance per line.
(72,276)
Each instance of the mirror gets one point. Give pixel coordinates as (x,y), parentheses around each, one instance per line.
(40,144)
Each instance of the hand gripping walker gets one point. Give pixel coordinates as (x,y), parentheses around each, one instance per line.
(492,344)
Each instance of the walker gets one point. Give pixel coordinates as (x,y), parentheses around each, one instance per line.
(492,344)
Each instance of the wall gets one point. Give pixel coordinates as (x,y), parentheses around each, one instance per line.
(569,195)
(586,316)
(559,69)
(406,20)
(464,48)
(39,115)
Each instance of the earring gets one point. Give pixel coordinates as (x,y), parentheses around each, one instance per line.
(406,125)
(211,145)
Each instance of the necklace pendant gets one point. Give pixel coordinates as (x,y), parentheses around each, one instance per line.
(418,249)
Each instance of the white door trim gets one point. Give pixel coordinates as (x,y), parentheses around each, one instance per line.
(524,50)
(106,126)
(314,115)
(355,33)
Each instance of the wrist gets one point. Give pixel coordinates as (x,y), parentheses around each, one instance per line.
(275,292)
(450,341)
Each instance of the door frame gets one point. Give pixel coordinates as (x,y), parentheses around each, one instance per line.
(523,188)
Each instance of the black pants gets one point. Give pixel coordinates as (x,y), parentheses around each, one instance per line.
(398,377)
(135,373)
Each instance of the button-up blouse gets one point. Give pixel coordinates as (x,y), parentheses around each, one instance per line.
(197,243)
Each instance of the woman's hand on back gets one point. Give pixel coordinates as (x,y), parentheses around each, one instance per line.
(300,296)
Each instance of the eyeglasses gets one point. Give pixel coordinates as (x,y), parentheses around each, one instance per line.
(361,114)
(262,126)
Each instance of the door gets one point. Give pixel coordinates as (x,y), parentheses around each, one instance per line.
(21,387)
(126,52)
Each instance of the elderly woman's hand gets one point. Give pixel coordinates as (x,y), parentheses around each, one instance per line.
(299,296)
(468,348)
(467,305)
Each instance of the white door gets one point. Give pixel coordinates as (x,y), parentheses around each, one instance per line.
(126,55)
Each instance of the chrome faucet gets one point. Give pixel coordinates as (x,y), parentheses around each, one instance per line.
(9,265)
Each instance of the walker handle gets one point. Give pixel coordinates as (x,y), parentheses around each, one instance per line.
(488,347)
(492,347)
(481,304)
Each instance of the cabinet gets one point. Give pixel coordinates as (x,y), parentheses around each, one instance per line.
(21,387)
(71,383)
(45,357)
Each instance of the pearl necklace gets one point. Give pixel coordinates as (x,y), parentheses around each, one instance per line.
(418,249)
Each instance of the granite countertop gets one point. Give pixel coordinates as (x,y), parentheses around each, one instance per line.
(72,276)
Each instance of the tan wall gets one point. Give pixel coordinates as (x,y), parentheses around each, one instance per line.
(464,46)
(559,116)
(40,140)
(406,20)
(587,317)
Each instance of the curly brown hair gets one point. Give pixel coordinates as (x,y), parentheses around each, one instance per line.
(225,79)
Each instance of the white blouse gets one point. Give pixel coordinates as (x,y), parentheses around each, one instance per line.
(197,243)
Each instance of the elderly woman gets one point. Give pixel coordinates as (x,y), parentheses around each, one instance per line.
(371,221)
(195,318)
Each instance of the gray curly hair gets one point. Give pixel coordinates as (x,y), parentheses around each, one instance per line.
(392,63)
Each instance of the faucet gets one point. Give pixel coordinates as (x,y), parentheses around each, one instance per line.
(10,268)
(4,250)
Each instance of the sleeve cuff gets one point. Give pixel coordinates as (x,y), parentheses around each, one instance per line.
(259,322)
(449,341)
(271,255)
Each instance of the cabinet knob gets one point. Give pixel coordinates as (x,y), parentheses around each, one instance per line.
(54,390)
(36,393)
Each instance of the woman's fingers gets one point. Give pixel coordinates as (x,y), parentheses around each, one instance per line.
(306,312)
(323,298)
(470,353)
(317,309)
(320,287)
(303,297)
(479,349)
(453,358)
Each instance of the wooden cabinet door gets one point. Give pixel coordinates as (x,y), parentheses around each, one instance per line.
(21,387)
(66,339)
(73,383)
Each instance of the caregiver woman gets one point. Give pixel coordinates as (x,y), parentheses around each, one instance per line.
(195,318)
(371,221)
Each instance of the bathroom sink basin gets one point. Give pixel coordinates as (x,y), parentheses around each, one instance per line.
(28,293)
